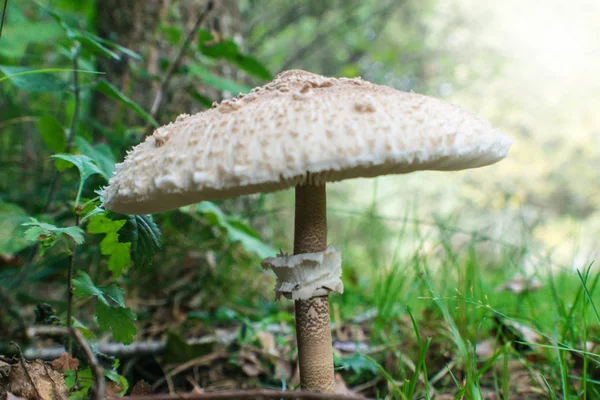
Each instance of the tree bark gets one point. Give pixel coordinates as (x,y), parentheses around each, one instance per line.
(136,24)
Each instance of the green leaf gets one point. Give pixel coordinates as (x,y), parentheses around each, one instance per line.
(120,380)
(84,287)
(85,331)
(172,33)
(109,90)
(145,238)
(89,43)
(117,250)
(84,164)
(16,37)
(111,295)
(217,82)
(84,380)
(111,311)
(252,66)
(52,133)
(91,208)
(229,50)
(113,45)
(119,320)
(70,378)
(12,232)
(47,234)
(200,98)
(237,231)
(120,259)
(33,80)
(101,154)
(357,363)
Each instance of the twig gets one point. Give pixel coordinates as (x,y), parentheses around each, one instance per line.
(100,389)
(70,274)
(246,394)
(164,84)
(23,363)
(151,347)
(3,16)
(204,360)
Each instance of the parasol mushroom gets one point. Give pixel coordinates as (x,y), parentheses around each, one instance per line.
(301,130)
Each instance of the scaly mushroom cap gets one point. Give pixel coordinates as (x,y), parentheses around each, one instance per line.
(300,128)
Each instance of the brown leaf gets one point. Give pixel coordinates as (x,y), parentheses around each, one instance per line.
(113,389)
(65,363)
(141,388)
(48,384)
(267,342)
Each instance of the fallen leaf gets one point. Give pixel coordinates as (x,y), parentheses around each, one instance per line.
(48,383)
(267,343)
(113,389)
(141,388)
(65,363)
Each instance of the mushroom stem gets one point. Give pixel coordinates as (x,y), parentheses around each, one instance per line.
(312,316)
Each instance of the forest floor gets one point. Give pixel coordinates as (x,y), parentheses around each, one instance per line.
(476,328)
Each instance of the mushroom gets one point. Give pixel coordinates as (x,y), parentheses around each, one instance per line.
(301,130)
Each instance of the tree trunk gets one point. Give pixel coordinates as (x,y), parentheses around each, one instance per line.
(138,25)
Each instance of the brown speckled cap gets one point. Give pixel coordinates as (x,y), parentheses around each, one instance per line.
(299,128)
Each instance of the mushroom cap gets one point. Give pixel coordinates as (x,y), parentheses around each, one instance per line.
(301,128)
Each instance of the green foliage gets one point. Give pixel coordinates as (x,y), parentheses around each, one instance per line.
(86,166)
(17,37)
(47,234)
(236,230)
(52,133)
(111,311)
(81,381)
(85,331)
(12,230)
(217,82)
(33,80)
(119,379)
(357,363)
(120,320)
(118,252)
(100,153)
(145,238)
(111,91)
(229,50)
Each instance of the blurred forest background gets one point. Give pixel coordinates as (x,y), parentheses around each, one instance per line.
(83,80)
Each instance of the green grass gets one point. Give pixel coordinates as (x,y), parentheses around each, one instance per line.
(437,303)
